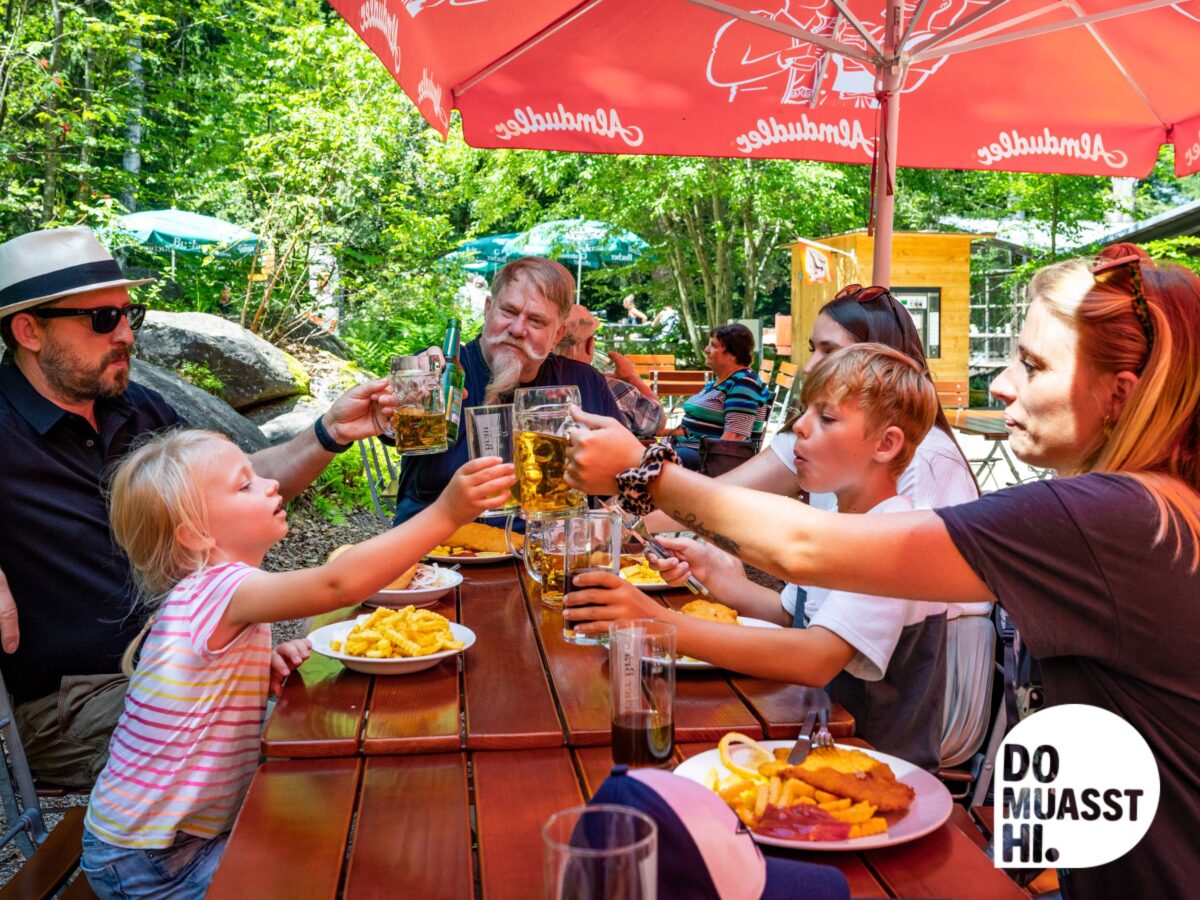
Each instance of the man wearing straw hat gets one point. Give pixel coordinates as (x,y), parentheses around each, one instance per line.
(68,411)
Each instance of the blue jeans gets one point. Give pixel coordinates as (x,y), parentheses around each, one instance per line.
(179,872)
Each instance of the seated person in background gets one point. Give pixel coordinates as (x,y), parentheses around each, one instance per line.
(867,407)
(735,404)
(665,321)
(640,409)
(523,320)
(633,315)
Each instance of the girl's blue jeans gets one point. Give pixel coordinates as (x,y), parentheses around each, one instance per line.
(179,872)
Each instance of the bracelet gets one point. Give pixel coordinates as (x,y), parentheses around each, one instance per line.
(325,439)
(633,485)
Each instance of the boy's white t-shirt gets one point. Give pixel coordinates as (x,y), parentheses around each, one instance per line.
(870,624)
(936,476)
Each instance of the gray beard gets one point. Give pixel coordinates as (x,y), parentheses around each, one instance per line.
(506,375)
(76,384)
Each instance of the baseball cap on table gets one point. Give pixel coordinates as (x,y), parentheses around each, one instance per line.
(704,850)
(47,265)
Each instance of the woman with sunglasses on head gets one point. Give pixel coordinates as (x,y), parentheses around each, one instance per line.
(1098,567)
(937,476)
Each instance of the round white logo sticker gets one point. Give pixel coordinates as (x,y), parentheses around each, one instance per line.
(1076,786)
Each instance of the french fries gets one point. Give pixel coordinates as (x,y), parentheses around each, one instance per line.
(398,634)
(749,788)
(639,572)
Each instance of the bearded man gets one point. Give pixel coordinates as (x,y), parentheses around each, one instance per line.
(523,321)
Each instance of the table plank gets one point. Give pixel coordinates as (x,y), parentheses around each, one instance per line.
(862,881)
(321,708)
(417,713)
(290,837)
(706,707)
(413,832)
(515,792)
(508,699)
(945,863)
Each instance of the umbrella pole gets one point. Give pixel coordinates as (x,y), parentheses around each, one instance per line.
(891,80)
(578,277)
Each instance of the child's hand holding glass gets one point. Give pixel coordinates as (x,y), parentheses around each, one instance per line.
(478,485)
(610,598)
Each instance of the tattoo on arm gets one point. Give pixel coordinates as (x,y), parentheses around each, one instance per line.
(691,523)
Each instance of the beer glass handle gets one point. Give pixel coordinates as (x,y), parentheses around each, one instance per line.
(519,553)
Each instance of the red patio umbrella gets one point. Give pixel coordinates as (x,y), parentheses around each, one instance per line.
(1089,87)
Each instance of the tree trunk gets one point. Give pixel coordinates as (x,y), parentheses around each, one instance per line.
(133,128)
(85,148)
(53,127)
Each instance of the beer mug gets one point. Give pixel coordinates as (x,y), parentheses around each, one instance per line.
(542,556)
(490,433)
(592,543)
(419,423)
(542,417)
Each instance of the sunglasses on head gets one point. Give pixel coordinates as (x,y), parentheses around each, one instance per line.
(874,292)
(104,318)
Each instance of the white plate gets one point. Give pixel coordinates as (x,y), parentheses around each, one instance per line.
(469,560)
(418,597)
(931,805)
(649,588)
(322,637)
(689,663)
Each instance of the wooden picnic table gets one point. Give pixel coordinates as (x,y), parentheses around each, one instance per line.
(436,784)
(988,424)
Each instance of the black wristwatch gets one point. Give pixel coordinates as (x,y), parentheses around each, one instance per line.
(325,439)
(633,485)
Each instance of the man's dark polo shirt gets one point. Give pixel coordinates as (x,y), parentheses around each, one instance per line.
(72,584)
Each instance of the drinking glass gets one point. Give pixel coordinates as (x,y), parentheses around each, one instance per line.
(543,555)
(641,673)
(542,418)
(600,852)
(419,422)
(490,433)
(592,542)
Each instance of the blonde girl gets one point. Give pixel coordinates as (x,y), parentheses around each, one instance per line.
(196,522)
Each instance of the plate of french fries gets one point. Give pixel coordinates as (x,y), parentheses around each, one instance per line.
(474,543)
(392,641)
(840,798)
(637,571)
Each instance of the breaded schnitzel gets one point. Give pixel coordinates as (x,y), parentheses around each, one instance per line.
(853,774)
(710,611)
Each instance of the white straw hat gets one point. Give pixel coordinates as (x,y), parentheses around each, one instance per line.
(41,266)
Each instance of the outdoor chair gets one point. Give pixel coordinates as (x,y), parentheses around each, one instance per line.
(647,364)
(953,394)
(381,468)
(783,392)
(50,857)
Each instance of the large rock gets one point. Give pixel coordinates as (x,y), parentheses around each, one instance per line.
(285,424)
(251,370)
(201,409)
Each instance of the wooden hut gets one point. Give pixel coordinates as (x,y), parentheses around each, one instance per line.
(931,276)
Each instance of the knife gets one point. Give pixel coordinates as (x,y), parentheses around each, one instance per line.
(633,524)
(804,741)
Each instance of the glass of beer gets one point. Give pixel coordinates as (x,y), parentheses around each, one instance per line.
(543,555)
(419,423)
(542,418)
(490,433)
(641,672)
(592,542)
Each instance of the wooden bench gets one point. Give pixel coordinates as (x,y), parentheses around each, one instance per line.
(953,394)
(648,363)
(53,864)
(678,382)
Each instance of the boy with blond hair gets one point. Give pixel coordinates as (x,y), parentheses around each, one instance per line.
(866,408)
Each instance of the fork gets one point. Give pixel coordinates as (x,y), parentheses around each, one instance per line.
(822,738)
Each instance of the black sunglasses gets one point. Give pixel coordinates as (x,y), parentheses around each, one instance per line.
(104,318)
(867,294)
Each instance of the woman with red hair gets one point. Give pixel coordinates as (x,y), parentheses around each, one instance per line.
(1097,567)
